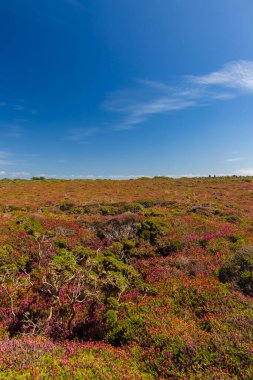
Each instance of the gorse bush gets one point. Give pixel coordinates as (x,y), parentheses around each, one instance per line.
(239,270)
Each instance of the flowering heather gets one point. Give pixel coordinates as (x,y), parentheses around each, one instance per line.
(152,281)
(38,358)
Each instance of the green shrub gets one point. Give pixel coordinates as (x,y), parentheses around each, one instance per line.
(38,178)
(151,229)
(129,244)
(111,318)
(124,331)
(167,248)
(60,243)
(239,270)
(108,210)
(113,302)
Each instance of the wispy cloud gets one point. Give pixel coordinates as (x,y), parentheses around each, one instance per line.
(238,75)
(244,172)
(91,176)
(20,174)
(147,99)
(10,130)
(18,105)
(81,134)
(150,97)
(235,159)
(6,158)
(15,174)
(6,162)
(21,161)
(4,154)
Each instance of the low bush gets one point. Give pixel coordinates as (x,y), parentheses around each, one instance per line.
(239,270)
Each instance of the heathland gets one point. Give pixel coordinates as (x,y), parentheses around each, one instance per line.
(137,279)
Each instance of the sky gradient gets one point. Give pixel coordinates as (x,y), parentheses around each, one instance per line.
(118,89)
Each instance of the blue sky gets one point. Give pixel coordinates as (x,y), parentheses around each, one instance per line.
(118,89)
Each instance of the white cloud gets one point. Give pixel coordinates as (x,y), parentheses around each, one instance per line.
(81,134)
(130,176)
(238,74)
(6,158)
(150,97)
(223,96)
(235,159)
(14,174)
(244,172)
(19,160)
(19,105)
(6,162)
(20,174)
(189,175)
(10,130)
(90,176)
(4,154)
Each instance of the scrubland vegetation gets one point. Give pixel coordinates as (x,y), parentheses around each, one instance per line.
(138,279)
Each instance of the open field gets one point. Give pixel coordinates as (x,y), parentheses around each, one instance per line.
(137,279)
